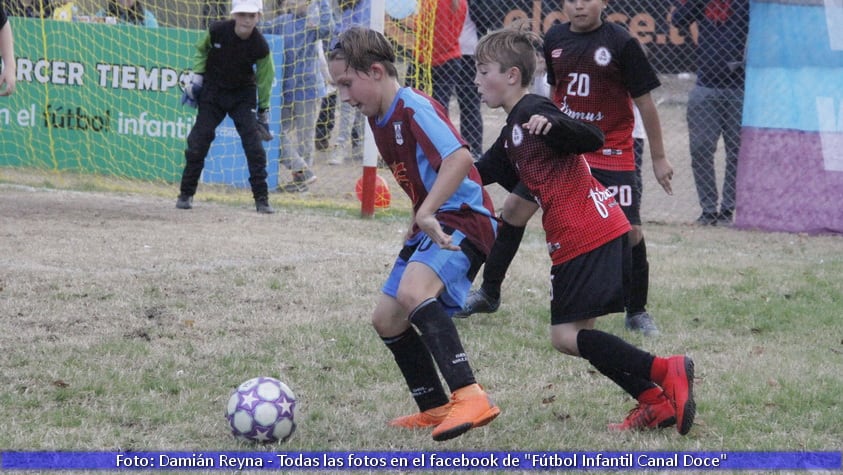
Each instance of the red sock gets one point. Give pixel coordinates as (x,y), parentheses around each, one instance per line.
(651,396)
(659,370)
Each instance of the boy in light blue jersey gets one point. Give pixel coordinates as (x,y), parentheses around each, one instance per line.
(452,231)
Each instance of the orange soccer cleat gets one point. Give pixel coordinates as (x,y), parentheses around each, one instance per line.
(470,407)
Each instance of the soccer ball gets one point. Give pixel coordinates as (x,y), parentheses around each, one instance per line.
(262,410)
(383,197)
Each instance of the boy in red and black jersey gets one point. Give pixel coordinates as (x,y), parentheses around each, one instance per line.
(586,233)
(596,71)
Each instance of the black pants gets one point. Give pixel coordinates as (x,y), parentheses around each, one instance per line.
(214,105)
(325,121)
(456,77)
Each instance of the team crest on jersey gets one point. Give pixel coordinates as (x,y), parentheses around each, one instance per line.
(557,53)
(517,135)
(399,138)
(602,56)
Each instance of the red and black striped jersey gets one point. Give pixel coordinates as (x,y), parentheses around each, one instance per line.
(578,213)
(594,76)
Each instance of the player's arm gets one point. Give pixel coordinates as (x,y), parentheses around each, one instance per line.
(7,51)
(264,73)
(650,118)
(452,172)
(495,167)
(200,57)
(564,134)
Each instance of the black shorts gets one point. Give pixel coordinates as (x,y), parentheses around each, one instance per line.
(591,284)
(627,191)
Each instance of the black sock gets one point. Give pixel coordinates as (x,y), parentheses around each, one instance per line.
(418,369)
(639,279)
(439,334)
(626,365)
(633,385)
(500,257)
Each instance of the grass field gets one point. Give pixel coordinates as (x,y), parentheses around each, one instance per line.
(124,324)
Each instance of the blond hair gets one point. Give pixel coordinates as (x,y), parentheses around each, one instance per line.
(512,47)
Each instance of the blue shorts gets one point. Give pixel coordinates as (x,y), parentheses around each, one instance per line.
(456,269)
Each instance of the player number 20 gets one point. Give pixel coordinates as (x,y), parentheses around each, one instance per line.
(579,84)
(622,194)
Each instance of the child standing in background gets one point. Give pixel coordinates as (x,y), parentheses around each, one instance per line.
(129,11)
(232,76)
(302,25)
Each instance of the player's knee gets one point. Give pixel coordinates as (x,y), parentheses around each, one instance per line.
(409,297)
(517,211)
(386,324)
(565,342)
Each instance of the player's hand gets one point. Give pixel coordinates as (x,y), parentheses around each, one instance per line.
(263,125)
(7,84)
(192,91)
(538,125)
(430,226)
(664,174)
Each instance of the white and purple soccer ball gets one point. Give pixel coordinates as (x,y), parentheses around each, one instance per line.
(262,410)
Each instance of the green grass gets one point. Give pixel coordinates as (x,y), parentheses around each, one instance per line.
(141,353)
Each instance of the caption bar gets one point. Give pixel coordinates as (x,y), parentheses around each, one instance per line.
(426,461)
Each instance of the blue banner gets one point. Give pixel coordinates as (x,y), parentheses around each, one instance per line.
(790,170)
(421,461)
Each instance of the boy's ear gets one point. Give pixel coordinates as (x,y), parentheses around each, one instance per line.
(377,71)
(514,75)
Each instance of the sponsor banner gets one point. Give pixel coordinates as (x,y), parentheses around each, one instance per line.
(105,99)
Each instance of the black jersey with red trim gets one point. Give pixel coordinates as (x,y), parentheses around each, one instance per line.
(594,76)
(231,59)
(578,214)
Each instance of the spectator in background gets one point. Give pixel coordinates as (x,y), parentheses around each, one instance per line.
(441,49)
(8,76)
(715,105)
(326,119)
(468,98)
(128,11)
(64,10)
(29,8)
(540,85)
(350,120)
(302,25)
